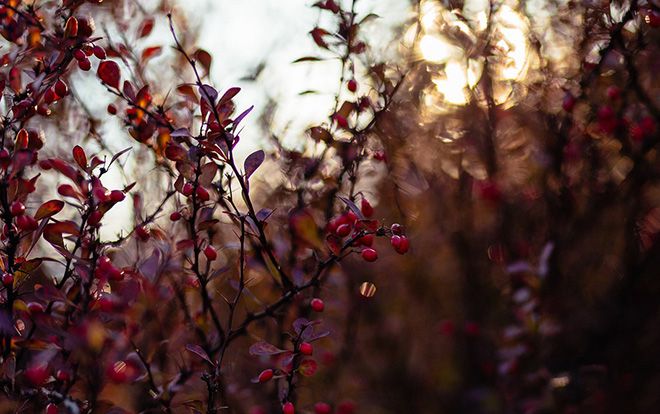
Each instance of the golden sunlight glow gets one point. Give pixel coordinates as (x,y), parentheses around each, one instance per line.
(513,43)
(509,37)
(452,85)
(435,49)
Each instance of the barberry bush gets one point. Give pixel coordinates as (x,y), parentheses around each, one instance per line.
(473,228)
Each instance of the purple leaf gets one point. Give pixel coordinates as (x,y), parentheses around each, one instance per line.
(252,162)
(208,93)
(197,350)
(242,115)
(264,348)
(351,205)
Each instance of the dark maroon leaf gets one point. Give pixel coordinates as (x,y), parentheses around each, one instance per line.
(197,350)
(252,162)
(109,73)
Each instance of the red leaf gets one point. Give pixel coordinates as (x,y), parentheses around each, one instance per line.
(204,57)
(109,73)
(150,52)
(146,28)
(230,93)
(79,156)
(49,208)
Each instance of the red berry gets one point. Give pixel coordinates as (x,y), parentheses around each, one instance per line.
(7,279)
(652,18)
(187,189)
(17,208)
(346,407)
(116,196)
(613,93)
(84,64)
(142,232)
(26,223)
(112,110)
(322,408)
(106,304)
(99,52)
(61,88)
(35,308)
(37,374)
(175,216)
(343,230)
(471,328)
(317,305)
(202,194)
(210,253)
(447,328)
(103,262)
(401,244)
(119,372)
(51,408)
(79,55)
(648,125)
(366,240)
(266,375)
(115,273)
(306,348)
(288,408)
(397,229)
(352,85)
(366,208)
(370,255)
(605,113)
(62,375)
(49,96)
(637,133)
